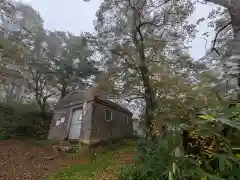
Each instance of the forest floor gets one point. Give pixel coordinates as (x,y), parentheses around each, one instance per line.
(38,160)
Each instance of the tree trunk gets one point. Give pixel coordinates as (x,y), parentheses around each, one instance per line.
(149,96)
(148,89)
(42,106)
(138,40)
(43,110)
(235,53)
(63,90)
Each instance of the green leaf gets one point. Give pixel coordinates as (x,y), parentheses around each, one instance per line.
(228,163)
(207,117)
(221,163)
(212,177)
(170,176)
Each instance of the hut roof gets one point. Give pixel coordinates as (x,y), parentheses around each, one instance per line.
(75,96)
(89,95)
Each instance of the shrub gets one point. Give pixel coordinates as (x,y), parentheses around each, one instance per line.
(23,121)
(153,160)
(159,161)
(206,151)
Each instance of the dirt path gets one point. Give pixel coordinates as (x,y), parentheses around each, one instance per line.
(20,160)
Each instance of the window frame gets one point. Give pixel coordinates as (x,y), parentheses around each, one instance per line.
(105,117)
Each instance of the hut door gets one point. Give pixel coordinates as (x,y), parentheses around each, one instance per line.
(76,123)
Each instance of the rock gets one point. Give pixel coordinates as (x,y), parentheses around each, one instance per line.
(50,157)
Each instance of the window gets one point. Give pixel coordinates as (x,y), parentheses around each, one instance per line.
(108,115)
(126,119)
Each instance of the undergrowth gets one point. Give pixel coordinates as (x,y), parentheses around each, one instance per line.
(23,121)
(102,162)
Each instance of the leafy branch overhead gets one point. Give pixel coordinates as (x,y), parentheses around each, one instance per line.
(71,61)
(50,64)
(140,41)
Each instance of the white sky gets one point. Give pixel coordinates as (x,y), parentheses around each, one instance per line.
(77,16)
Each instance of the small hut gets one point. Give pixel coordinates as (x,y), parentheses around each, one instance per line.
(89,117)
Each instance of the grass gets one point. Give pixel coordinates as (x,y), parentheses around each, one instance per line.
(103,163)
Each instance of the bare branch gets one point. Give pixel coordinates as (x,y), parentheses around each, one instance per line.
(165,2)
(202,2)
(147,23)
(134,98)
(216,36)
(131,65)
(48,96)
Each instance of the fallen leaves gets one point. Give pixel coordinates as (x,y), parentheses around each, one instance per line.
(21,161)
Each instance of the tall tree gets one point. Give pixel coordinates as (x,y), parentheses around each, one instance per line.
(7,14)
(233,8)
(38,77)
(30,34)
(135,36)
(10,50)
(71,61)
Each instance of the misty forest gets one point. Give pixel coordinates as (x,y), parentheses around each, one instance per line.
(185,110)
